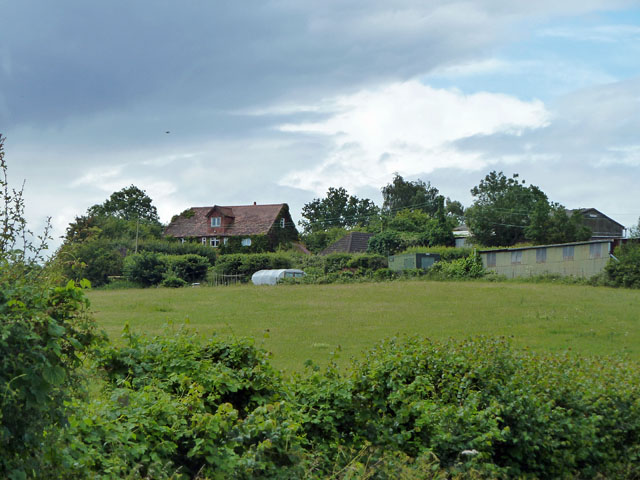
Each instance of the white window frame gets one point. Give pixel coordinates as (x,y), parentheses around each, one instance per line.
(216,221)
(246,242)
(214,242)
(225,240)
(204,240)
(282,222)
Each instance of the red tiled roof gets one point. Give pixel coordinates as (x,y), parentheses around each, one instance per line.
(247,220)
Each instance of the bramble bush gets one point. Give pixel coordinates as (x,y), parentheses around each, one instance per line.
(44,330)
(172,407)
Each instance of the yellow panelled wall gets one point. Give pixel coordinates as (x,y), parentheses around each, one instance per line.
(584,262)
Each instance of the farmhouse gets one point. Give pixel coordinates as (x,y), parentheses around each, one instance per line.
(579,259)
(353,242)
(247,228)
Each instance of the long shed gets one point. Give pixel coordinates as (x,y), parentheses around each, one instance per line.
(578,259)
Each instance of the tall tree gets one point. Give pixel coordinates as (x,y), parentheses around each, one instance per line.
(550,223)
(130,203)
(337,209)
(95,243)
(416,195)
(502,208)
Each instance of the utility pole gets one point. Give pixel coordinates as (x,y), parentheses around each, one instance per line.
(137,233)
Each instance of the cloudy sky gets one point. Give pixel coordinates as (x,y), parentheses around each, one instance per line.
(206,102)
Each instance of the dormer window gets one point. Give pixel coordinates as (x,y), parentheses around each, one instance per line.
(215,221)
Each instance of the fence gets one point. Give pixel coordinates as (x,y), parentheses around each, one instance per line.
(216,279)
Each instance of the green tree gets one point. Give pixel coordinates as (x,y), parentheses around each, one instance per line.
(337,209)
(455,210)
(96,243)
(130,203)
(549,223)
(634,232)
(502,209)
(417,195)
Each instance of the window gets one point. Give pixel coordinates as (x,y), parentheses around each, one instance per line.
(215,221)
(491,259)
(282,222)
(182,240)
(204,240)
(567,253)
(595,250)
(215,242)
(246,242)
(516,257)
(541,255)
(224,240)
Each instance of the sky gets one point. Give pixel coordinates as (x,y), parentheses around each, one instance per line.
(230,103)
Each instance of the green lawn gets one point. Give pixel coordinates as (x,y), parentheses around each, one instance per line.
(300,322)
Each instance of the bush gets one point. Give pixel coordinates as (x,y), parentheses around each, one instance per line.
(44,331)
(520,415)
(146,268)
(189,268)
(386,243)
(625,271)
(173,282)
(174,408)
(177,248)
(468,267)
(336,262)
(368,262)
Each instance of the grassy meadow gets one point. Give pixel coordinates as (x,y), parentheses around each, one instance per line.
(324,322)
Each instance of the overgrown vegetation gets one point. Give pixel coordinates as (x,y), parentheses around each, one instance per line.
(171,407)
(624,269)
(44,330)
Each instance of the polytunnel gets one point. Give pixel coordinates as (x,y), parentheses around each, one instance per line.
(271,277)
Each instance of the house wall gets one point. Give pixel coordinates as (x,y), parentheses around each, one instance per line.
(582,264)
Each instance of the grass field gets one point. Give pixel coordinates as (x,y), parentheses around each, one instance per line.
(300,322)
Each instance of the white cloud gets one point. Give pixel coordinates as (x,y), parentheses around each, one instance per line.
(598,33)
(407,127)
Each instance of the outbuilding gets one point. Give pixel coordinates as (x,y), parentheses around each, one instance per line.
(272,277)
(406,261)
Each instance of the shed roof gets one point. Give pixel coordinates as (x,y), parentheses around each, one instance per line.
(353,242)
(511,249)
(247,220)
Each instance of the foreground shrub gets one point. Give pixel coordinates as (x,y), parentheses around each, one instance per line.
(173,408)
(518,414)
(44,331)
